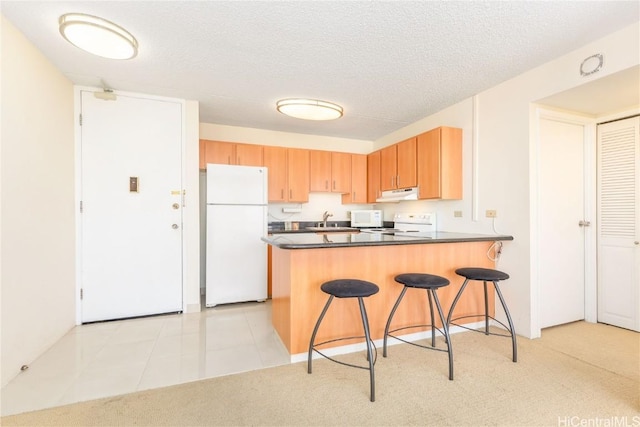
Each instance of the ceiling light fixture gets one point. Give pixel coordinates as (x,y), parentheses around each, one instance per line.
(98,36)
(309,109)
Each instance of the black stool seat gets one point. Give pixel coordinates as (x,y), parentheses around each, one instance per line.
(349,288)
(482,274)
(430,283)
(421,280)
(485,275)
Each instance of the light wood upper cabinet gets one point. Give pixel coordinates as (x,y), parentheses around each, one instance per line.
(439,155)
(388,168)
(329,171)
(358,193)
(398,167)
(219,152)
(202,158)
(319,170)
(341,172)
(229,153)
(373,176)
(407,164)
(249,155)
(275,159)
(298,175)
(288,174)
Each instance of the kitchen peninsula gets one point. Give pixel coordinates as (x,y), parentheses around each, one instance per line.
(301,262)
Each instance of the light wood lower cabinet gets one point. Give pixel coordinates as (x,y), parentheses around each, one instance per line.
(297,299)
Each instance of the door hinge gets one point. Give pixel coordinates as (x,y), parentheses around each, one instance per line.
(81,293)
(81,206)
(80,119)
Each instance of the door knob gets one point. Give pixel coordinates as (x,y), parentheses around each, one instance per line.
(174,226)
(175,206)
(583,223)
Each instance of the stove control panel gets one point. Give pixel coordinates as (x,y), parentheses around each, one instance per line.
(415,218)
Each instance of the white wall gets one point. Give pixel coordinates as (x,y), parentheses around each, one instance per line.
(38,215)
(283,139)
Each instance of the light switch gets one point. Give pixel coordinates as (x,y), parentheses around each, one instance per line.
(133,184)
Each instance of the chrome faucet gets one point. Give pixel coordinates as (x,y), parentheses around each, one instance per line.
(325,215)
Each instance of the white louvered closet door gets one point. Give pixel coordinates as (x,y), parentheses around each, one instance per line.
(619,223)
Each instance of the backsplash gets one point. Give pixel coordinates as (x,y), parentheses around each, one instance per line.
(313,210)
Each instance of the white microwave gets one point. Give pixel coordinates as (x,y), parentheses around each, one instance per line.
(366,218)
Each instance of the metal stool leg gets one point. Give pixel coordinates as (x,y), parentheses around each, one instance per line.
(445,329)
(455,301)
(365,324)
(512,329)
(315,331)
(486,310)
(433,323)
(393,311)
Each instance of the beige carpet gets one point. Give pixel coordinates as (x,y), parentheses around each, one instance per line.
(576,373)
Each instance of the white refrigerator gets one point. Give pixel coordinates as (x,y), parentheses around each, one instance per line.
(236,258)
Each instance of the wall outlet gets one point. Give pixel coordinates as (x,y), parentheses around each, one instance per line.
(457,214)
(492,213)
(291,210)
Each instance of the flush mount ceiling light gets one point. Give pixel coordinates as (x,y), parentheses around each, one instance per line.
(309,109)
(98,36)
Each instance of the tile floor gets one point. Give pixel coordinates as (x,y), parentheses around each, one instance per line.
(111,358)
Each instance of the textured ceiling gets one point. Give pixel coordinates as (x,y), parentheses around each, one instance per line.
(388,64)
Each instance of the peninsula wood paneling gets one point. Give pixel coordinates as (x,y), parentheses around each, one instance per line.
(298,300)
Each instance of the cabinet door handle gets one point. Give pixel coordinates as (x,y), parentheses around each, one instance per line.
(290,194)
(392,179)
(398,181)
(334,184)
(326,184)
(229,160)
(282,193)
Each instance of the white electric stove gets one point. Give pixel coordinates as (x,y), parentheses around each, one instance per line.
(407,223)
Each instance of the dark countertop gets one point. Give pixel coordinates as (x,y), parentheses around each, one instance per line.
(341,229)
(306,240)
(303,227)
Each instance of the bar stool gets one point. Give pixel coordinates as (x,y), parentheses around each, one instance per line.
(347,288)
(430,283)
(485,275)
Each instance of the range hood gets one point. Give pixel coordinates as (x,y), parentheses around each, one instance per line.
(398,195)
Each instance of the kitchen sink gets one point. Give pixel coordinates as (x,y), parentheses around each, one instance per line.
(331,229)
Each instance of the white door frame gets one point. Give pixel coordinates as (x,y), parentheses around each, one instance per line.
(591,290)
(78,182)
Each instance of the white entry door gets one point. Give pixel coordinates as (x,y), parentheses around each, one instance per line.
(619,223)
(561,208)
(131,220)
